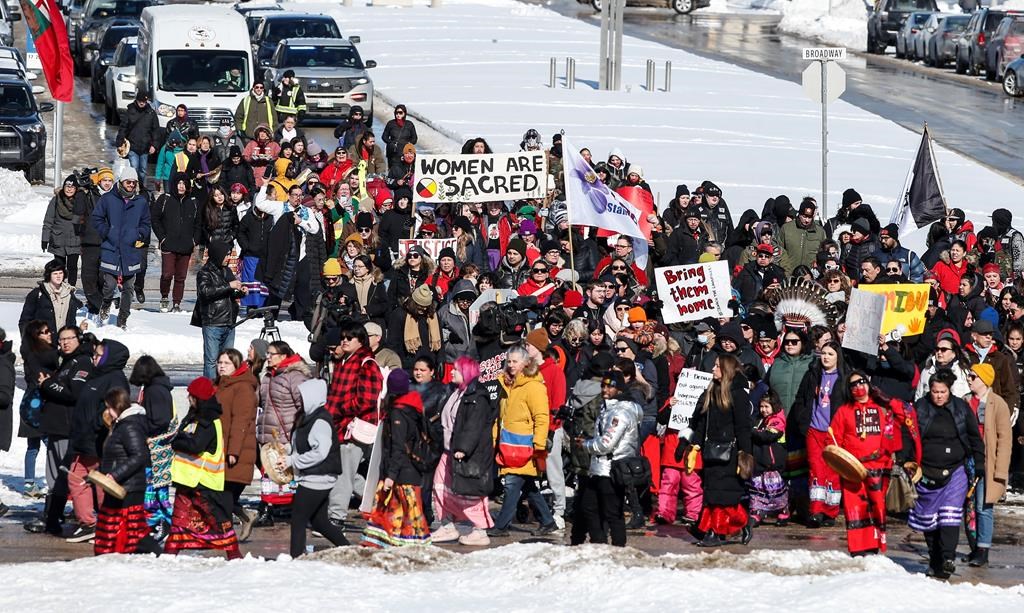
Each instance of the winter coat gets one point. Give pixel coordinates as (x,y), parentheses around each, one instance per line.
(401,430)
(685,247)
(63,234)
(254,233)
(801,243)
(251,113)
(616,435)
(913,269)
(455,333)
(174,222)
(87,429)
(471,435)
(1005,384)
(90,237)
(949,273)
(125,452)
(237,173)
(585,403)
(238,395)
(375,162)
(159,405)
(966,433)
(198,432)
(34,363)
(121,222)
(394,225)
(524,410)
(722,484)
(768,444)
(786,375)
(799,418)
(281,401)
(7,380)
(719,219)
(396,136)
(216,306)
(227,226)
(187,127)
(61,390)
(857,253)
(141,127)
(750,282)
(998,438)
(39,305)
(893,375)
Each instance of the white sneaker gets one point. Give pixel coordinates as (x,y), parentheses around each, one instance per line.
(560,522)
(476,538)
(447,533)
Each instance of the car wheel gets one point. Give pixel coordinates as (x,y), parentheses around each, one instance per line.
(597,4)
(961,67)
(899,54)
(36,173)
(683,7)
(990,73)
(1010,85)
(94,95)
(972,67)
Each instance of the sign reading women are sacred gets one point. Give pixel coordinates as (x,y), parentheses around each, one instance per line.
(691,293)
(481,177)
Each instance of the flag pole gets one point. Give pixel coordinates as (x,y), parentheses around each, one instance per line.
(572,257)
(58,144)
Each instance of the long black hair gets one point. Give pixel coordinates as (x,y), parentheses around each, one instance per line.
(145,370)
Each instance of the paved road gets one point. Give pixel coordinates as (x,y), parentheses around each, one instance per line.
(964,114)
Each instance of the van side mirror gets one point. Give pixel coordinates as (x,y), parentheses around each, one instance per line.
(371,64)
(355,40)
(37,90)
(45,107)
(14,16)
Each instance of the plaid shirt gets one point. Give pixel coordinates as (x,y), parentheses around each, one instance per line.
(354,391)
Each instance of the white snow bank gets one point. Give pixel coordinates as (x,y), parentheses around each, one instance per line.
(22,208)
(512,578)
(168,337)
(846,25)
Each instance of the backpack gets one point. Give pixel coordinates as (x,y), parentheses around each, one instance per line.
(425,452)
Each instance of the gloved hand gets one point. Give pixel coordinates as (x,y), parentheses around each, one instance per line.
(681,450)
(45,245)
(540,459)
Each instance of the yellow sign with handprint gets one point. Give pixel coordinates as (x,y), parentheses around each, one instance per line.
(905,306)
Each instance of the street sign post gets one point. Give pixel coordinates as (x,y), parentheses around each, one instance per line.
(824,83)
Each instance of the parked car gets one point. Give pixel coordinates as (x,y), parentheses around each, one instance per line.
(104,53)
(909,32)
(887,18)
(683,7)
(332,75)
(1013,78)
(13,64)
(252,11)
(280,25)
(22,131)
(119,80)
(7,19)
(96,15)
(970,47)
(940,48)
(1006,44)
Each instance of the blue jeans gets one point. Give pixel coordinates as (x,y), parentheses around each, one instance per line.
(31,453)
(139,162)
(215,340)
(985,514)
(515,485)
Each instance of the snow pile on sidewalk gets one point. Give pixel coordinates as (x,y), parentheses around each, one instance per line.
(481,69)
(22,208)
(514,577)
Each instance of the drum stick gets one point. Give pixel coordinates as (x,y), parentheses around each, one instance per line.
(833,435)
(71,474)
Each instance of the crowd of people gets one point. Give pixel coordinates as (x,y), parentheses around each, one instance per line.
(561,396)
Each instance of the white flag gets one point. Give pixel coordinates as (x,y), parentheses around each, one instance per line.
(591,203)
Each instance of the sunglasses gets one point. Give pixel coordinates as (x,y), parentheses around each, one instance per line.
(835,280)
(623,246)
(540,270)
(858,382)
(365,230)
(791,341)
(972,376)
(893,271)
(622,349)
(943,349)
(413,256)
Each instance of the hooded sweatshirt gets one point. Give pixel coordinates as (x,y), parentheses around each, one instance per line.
(321,438)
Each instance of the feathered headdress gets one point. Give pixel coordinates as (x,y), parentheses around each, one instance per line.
(799,303)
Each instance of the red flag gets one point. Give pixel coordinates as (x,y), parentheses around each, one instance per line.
(642,200)
(51,37)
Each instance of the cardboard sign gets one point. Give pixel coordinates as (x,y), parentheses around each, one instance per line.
(691,293)
(905,306)
(690,385)
(476,178)
(864,321)
(431,246)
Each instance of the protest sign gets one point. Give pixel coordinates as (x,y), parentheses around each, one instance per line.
(690,385)
(431,246)
(691,293)
(864,321)
(905,306)
(474,178)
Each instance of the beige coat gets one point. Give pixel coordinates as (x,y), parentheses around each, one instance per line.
(998,445)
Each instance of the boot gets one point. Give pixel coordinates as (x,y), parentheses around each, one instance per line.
(246,521)
(104,314)
(263,517)
(979,557)
(710,540)
(746,534)
(165,305)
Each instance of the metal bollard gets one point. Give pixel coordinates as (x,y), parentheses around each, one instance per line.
(553,73)
(668,76)
(570,72)
(650,75)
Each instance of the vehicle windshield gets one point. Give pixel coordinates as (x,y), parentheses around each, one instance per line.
(194,70)
(321,57)
(280,29)
(992,21)
(114,36)
(128,55)
(911,5)
(15,101)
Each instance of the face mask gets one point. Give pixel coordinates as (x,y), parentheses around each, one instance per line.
(859,392)
(702,339)
(223,131)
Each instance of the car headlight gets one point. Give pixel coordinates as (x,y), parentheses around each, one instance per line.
(165,110)
(87,38)
(126,78)
(103,62)
(360,81)
(35,128)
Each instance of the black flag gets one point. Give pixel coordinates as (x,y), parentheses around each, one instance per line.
(923,199)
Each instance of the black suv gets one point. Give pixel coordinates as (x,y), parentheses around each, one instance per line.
(22,132)
(280,25)
(970,46)
(887,18)
(95,16)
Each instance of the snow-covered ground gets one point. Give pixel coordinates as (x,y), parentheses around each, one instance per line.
(533,577)
(22,208)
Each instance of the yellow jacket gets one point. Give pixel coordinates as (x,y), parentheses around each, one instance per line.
(524,410)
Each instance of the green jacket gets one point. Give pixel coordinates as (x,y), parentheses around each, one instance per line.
(801,245)
(786,374)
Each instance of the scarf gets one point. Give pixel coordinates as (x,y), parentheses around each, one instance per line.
(61,299)
(65,206)
(284,364)
(365,153)
(363,289)
(413,342)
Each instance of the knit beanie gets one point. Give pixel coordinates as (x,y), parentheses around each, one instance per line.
(398,382)
(203,389)
(539,339)
(985,372)
(260,347)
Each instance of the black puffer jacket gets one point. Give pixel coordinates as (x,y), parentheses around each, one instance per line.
(6,394)
(125,452)
(396,136)
(61,390)
(225,230)
(216,304)
(87,428)
(400,432)
(254,233)
(156,399)
(174,222)
(141,127)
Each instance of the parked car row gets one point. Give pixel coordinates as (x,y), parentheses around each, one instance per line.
(987,42)
(22,131)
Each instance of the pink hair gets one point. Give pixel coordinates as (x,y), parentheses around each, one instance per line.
(468,368)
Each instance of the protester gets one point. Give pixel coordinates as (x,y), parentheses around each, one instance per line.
(217,306)
(238,395)
(7,377)
(40,360)
(62,226)
(121,218)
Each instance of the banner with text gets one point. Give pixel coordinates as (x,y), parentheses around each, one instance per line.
(690,385)
(905,306)
(431,246)
(691,293)
(476,178)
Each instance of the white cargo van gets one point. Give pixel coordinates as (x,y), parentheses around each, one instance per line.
(196,55)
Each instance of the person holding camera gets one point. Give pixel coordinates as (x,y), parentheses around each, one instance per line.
(216,305)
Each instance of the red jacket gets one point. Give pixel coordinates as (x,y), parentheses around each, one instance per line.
(355,390)
(869,431)
(554,381)
(530,286)
(949,275)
